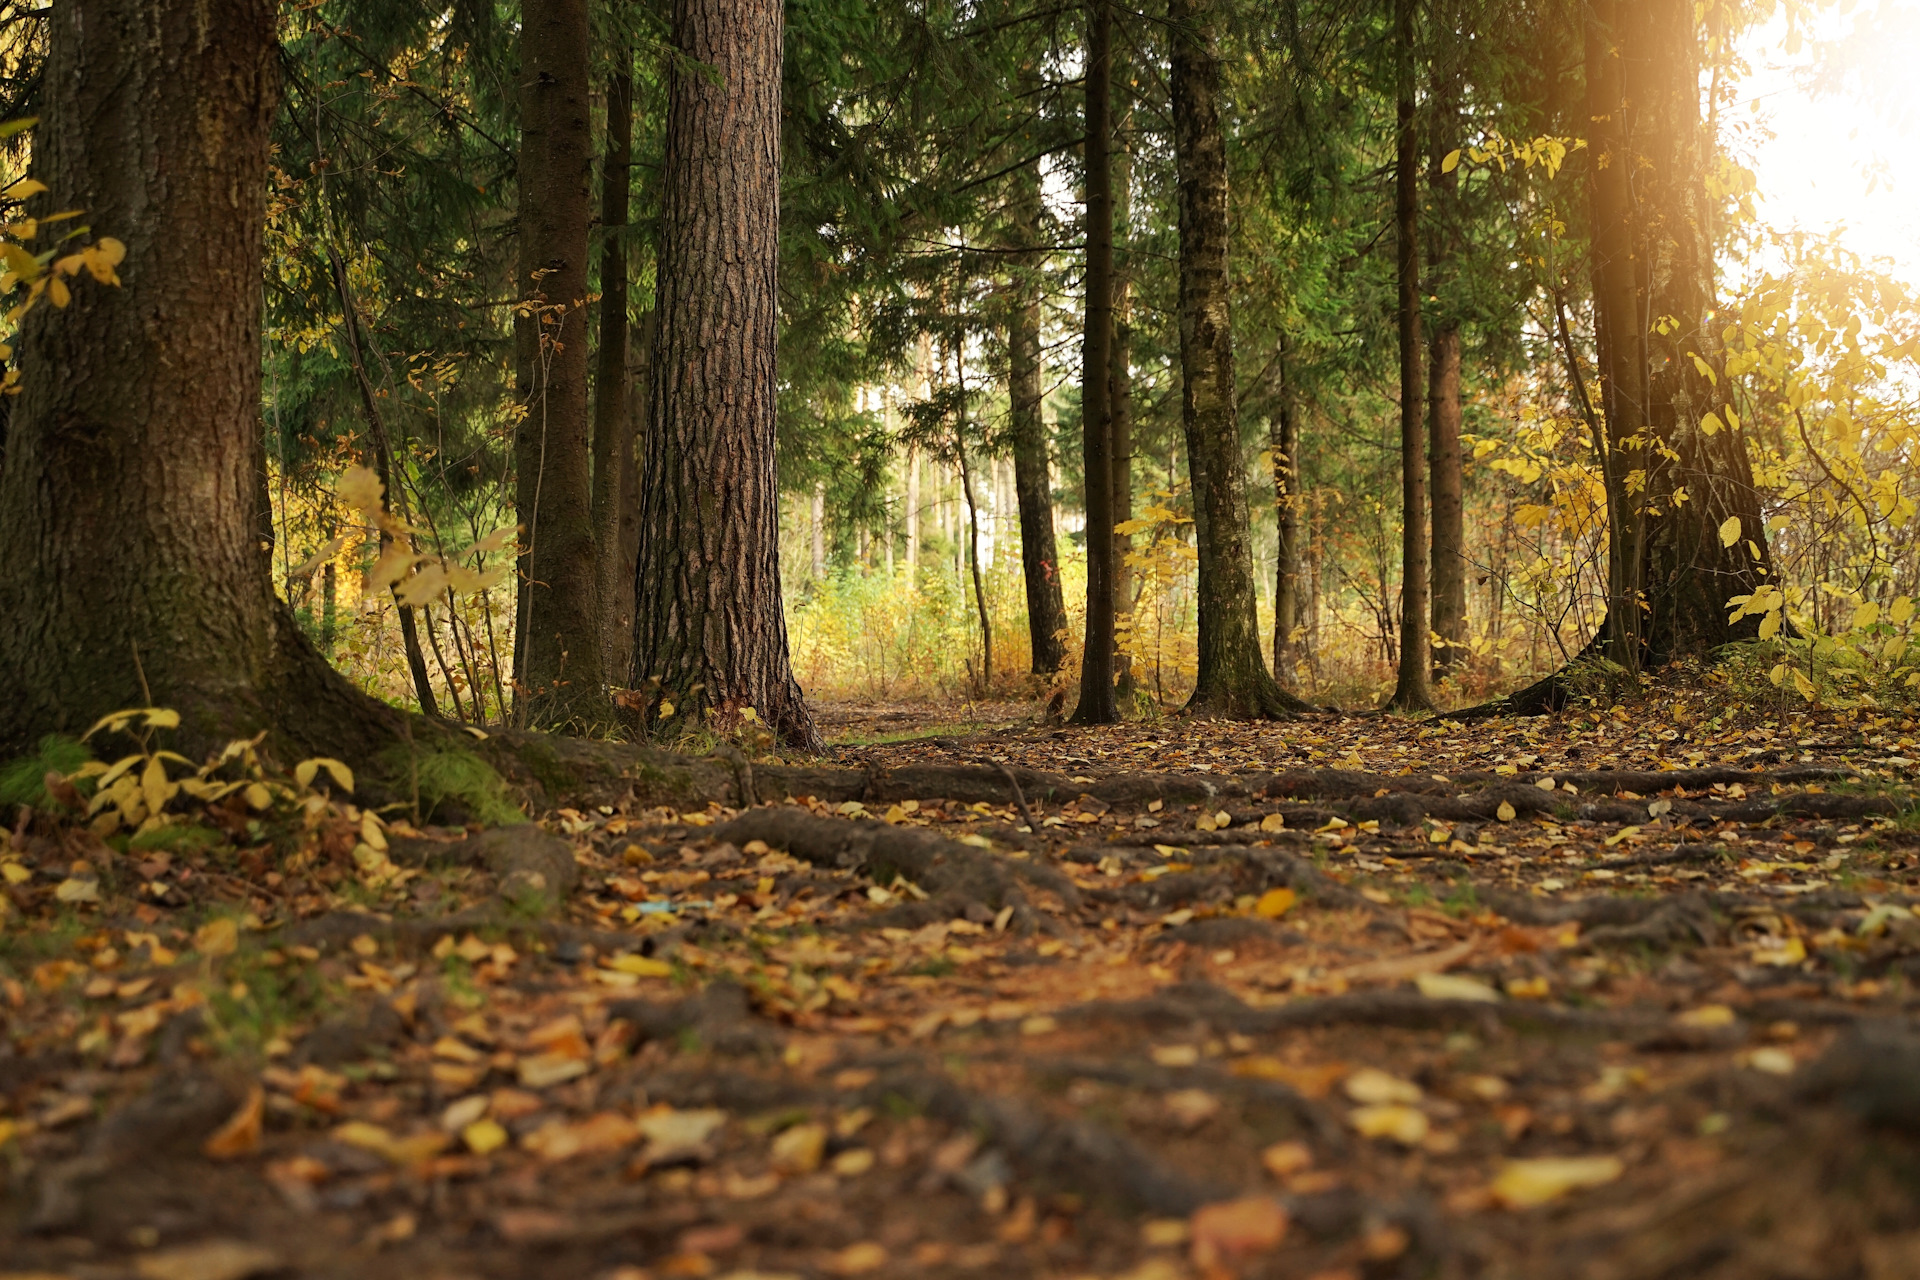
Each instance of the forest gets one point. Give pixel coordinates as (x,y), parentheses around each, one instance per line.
(781,639)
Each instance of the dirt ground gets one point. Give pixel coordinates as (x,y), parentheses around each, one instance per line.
(1621,994)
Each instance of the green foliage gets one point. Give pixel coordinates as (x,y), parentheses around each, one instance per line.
(451,779)
(23,781)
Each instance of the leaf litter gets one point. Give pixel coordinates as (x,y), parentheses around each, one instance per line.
(1380,998)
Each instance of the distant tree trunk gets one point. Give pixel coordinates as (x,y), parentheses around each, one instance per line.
(1120,392)
(1449,501)
(709,626)
(627,524)
(558,647)
(817,522)
(1443,390)
(1413,693)
(984,682)
(1232,679)
(612,420)
(1284,448)
(133,574)
(1097,702)
(1032,481)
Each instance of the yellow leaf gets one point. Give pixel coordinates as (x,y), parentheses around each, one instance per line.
(1729,531)
(1455,986)
(57,291)
(498,539)
(1451,161)
(23,189)
(1505,812)
(1900,612)
(640,966)
(360,489)
(666,709)
(154,787)
(392,566)
(240,1135)
(424,586)
(1405,1125)
(258,796)
(306,770)
(1804,685)
(1770,625)
(1373,1086)
(1275,903)
(1274,822)
(1866,615)
(483,1136)
(313,562)
(1522,1184)
(217,938)
(77,890)
(1711,424)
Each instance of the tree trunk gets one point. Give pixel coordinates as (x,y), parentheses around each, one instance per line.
(134,573)
(709,625)
(1032,482)
(1284,447)
(1120,394)
(1232,679)
(558,642)
(627,517)
(1412,694)
(1097,702)
(1449,503)
(612,419)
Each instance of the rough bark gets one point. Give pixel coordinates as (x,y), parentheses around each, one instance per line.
(1284,448)
(558,641)
(128,500)
(1412,693)
(1449,510)
(1232,679)
(1097,702)
(710,634)
(1033,485)
(612,417)
(1120,390)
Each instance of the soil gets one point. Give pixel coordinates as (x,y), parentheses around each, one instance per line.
(1619,994)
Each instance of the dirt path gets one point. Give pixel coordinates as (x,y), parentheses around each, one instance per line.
(1618,995)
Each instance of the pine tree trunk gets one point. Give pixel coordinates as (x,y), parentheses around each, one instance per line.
(626,526)
(1284,448)
(1449,502)
(1412,693)
(128,495)
(1232,679)
(558,648)
(1097,702)
(1120,394)
(612,417)
(1032,482)
(709,625)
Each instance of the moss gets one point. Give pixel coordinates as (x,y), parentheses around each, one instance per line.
(454,785)
(178,838)
(23,781)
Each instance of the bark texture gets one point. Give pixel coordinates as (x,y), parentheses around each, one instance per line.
(1449,501)
(1032,480)
(709,630)
(1413,692)
(1097,702)
(1672,574)
(128,497)
(1232,679)
(1120,386)
(612,416)
(558,642)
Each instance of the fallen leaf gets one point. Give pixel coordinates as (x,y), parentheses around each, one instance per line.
(1405,1125)
(240,1135)
(78,890)
(1505,812)
(483,1136)
(1274,822)
(1522,1184)
(1455,986)
(1275,903)
(1236,1228)
(799,1149)
(678,1135)
(1284,1159)
(217,938)
(640,966)
(605,1131)
(1371,1085)
(543,1070)
(207,1260)
(858,1259)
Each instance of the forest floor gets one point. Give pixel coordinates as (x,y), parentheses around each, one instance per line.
(1616,995)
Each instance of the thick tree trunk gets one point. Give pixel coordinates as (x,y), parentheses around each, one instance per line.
(1232,679)
(1097,702)
(1449,502)
(612,417)
(1032,481)
(128,498)
(1120,394)
(558,646)
(1283,440)
(709,629)
(1412,693)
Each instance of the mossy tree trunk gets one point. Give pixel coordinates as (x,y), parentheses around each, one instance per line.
(129,494)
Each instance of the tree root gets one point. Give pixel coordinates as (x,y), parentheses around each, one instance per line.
(958,875)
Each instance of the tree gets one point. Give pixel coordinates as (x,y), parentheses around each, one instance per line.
(1232,679)
(558,652)
(1412,693)
(612,405)
(709,630)
(132,484)
(1283,446)
(1027,433)
(1443,384)
(1097,702)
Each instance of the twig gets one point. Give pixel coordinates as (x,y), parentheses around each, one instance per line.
(1020,799)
